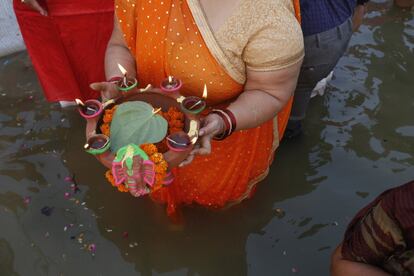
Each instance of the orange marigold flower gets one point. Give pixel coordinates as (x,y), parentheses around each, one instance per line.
(122,188)
(159,178)
(110,177)
(149,149)
(107,118)
(105,129)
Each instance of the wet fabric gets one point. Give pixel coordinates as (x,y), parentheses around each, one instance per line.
(382,234)
(67,48)
(168,37)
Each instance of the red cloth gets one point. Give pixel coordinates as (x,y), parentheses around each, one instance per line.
(67,48)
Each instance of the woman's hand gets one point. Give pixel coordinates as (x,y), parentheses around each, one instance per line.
(211,126)
(108,90)
(33,4)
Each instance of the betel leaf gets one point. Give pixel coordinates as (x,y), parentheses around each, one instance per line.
(136,123)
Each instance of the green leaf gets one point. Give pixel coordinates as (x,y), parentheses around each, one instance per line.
(135,123)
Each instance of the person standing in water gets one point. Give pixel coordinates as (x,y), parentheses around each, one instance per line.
(327,28)
(64,43)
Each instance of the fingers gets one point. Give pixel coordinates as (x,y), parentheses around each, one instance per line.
(98,86)
(196,149)
(35,5)
(205,143)
(212,125)
(108,90)
(188,160)
(209,127)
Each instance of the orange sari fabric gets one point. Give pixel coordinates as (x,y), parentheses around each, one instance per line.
(165,40)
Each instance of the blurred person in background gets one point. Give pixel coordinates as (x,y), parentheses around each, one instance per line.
(64,44)
(327,27)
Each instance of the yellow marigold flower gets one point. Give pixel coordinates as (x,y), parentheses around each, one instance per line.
(156,158)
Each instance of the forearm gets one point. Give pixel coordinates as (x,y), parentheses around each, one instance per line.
(342,267)
(347,268)
(254,108)
(265,94)
(118,54)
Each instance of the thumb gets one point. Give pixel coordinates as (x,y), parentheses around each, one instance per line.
(35,5)
(209,128)
(99,86)
(212,124)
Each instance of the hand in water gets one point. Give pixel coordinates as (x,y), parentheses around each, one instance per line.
(108,90)
(35,6)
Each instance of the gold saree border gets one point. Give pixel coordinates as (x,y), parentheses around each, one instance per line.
(263,175)
(290,62)
(211,42)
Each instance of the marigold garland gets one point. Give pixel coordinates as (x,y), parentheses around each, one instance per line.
(175,121)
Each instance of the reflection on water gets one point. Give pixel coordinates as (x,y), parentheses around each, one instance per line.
(358,141)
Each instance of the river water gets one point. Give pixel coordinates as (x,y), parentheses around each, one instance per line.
(358,141)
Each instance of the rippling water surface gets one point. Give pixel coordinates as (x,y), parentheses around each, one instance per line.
(359,141)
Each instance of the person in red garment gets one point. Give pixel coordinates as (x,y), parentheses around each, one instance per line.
(66,41)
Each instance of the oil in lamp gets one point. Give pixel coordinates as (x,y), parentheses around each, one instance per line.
(97,144)
(193,104)
(89,109)
(171,84)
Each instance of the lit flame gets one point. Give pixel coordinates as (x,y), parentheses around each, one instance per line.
(122,69)
(170,79)
(205,92)
(86,146)
(79,102)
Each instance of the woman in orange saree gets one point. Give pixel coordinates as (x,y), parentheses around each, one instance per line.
(248,53)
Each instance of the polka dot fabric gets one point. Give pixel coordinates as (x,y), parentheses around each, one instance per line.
(165,40)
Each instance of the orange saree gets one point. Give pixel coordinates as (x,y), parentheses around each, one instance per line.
(166,38)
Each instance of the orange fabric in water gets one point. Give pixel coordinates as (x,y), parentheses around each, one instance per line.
(165,40)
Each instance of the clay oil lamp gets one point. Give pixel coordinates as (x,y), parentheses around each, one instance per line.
(97,144)
(89,109)
(126,84)
(179,141)
(171,85)
(193,104)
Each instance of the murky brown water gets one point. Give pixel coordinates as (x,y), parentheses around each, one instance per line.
(359,140)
